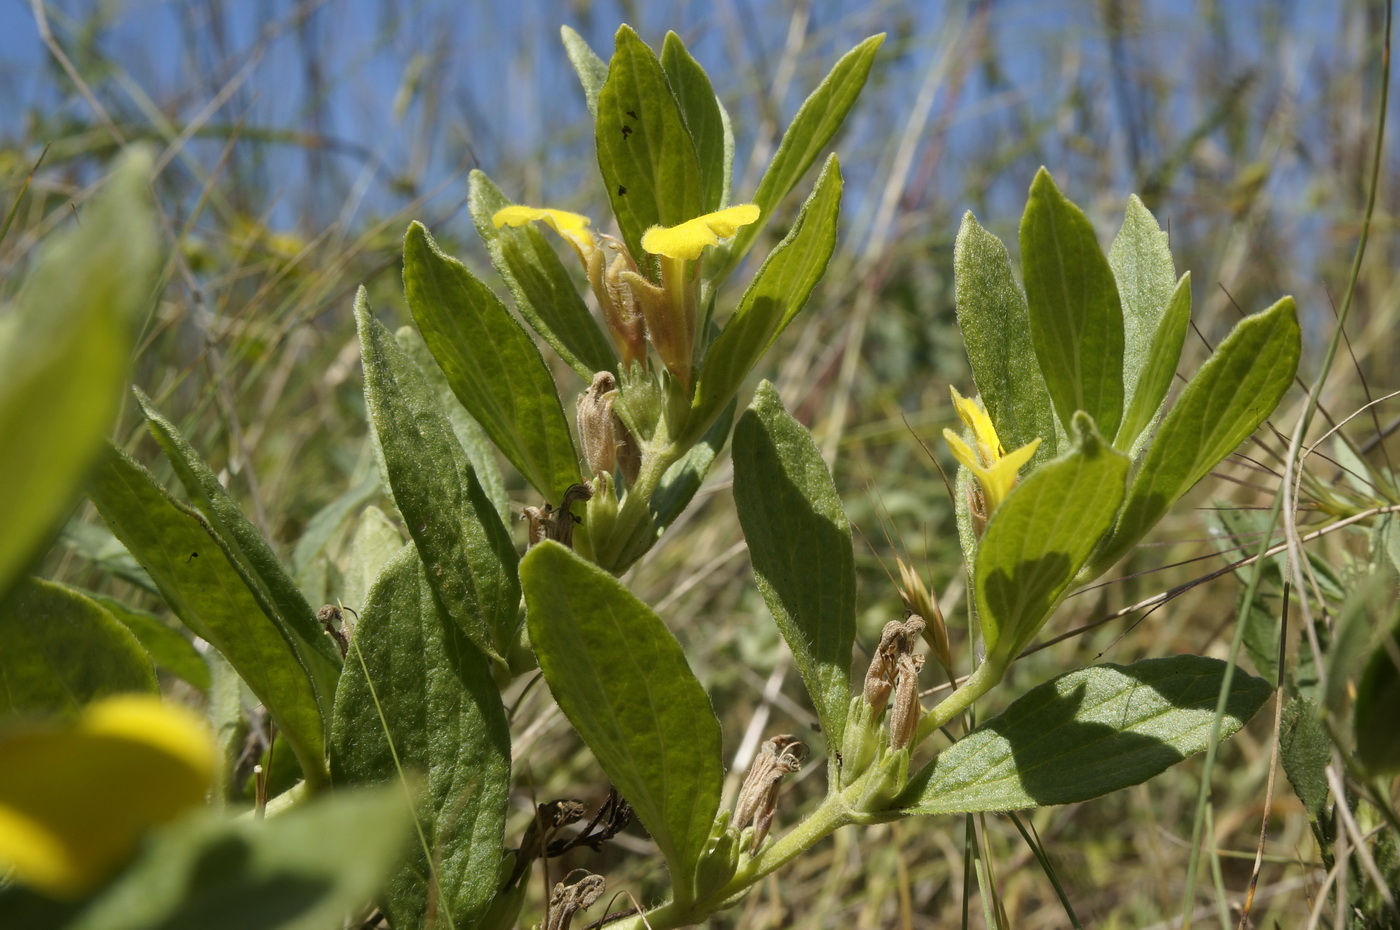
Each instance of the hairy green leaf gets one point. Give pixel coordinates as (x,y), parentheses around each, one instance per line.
(592,70)
(66,349)
(622,680)
(424,679)
(800,545)
(203,588)
(997,332)
(1085,734)
(1040,537)
(62,650)
(470,557)
(375,541)
(700,111)
(544,291)
(777,293)
(816,122)
(249,552)
(1235,390)
(1306,751)
(1152,373)
(1075,313)
(491,363)
(645,152)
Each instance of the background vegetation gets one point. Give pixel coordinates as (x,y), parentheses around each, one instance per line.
(296,141)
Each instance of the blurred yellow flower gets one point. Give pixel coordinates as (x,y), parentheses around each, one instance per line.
(75,799)
(572,226)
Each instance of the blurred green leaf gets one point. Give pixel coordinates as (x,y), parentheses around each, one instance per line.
(622,680)
(700,111)
(1142,267)
(1235,390)
(645,152)
(326,523)
(475,443)
(424,679)
(249,552)
(491,363)
(800,545)
(777,293)
(544,291)
(592,70)
(1076,317)
(374,542)
(304,870)
(168,647)
(1152,371)
(997,332)
(1085,734)
(205,590)
(470,557)
(1306,752)
(1041,535)
(816,122)
(66,351)
(62,650)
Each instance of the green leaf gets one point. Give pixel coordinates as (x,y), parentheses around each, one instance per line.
(475,443)
(816,122)
(424,679)
(1085,734)
(491,363)
(701,113)
(303,870)
(1306,752)
(645,152)
(622,680)
(1076,317)
(996,330)
(1142,267)
(323,526)
(592,70)
(544,291)
(777,293)
(470,557)
(800,545)
(205,590)
(1041,535)
(248,551)
(1149,376)
(167,646)
(62,650)
(66,350)
(1235,390)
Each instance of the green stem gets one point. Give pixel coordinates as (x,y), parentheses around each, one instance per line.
(982,681)
(634,512)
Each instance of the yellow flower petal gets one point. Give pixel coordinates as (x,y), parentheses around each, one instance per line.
(983,432)
(74,801)
(572,226)
(690,238)
(998,480)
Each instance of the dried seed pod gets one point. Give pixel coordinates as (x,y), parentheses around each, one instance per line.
(758,798)
(567,900)
(906,709)
(598,425)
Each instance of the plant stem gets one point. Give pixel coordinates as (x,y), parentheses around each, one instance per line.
(982,681)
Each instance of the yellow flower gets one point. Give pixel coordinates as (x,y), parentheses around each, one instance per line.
(994,468)
(75,800)
(572,226)
(689,239)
